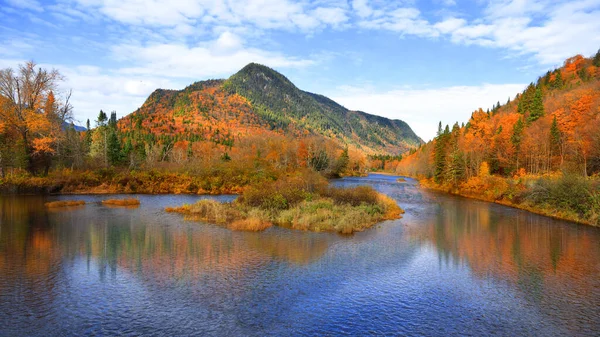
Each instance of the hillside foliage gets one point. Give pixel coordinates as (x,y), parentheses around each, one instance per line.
(551,129)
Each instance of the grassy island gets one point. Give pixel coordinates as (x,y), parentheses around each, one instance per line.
(302,201)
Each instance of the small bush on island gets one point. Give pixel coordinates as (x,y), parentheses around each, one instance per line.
(65,203)
(301,201)
(128,202)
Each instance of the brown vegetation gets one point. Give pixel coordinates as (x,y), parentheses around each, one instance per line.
(65,203)
(301,201)
(121,202)
(538,152)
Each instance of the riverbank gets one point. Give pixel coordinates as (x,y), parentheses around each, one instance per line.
(561,197)
(217,180)
(224,179)
(301,202)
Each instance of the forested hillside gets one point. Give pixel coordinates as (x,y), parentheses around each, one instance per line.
(541,141)
(256,105)
(254,126)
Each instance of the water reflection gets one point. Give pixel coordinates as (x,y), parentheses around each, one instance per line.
(450,266)
(541,257)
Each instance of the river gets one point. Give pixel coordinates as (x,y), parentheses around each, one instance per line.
(450,266)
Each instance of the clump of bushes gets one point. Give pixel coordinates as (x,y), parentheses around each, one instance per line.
(568,194)
(121,202)
(226,214)
(302,201)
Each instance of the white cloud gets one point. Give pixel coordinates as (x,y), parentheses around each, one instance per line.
(422,109)
(216,58)
(262,14)
(95,89)
(26,4)
(550,31)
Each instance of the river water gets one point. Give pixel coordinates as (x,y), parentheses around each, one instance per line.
(450,266)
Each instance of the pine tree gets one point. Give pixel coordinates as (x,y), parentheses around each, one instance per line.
(537,106)
(558,80)
(342,163)
(113,145)
(596,60)
(101,121)
(113,119)
(88,136)
(439,154)
(526,100)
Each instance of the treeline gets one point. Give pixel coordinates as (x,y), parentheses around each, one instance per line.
(540,151)
(553,125)
(39,138)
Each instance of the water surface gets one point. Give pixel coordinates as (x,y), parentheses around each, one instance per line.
(451,266)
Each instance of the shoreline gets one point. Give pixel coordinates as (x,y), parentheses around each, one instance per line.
(424,183)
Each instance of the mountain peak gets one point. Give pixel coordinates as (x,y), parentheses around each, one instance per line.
(261,76)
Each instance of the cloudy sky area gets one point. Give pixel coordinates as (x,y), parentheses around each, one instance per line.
(421,61)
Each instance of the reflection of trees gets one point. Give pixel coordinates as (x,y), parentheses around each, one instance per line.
(544,258)
(29,255)
(35,244)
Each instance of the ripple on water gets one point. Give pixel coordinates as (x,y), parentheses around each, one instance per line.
(450,266)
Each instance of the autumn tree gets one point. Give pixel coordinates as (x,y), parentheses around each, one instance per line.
(516,137)
(31,111)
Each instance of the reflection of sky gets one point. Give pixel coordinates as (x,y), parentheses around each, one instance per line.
(449,266)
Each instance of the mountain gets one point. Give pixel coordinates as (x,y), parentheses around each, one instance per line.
(553,125)
(259,100)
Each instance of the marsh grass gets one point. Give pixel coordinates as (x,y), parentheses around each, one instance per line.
(65,203)
(302,204)
(128,202)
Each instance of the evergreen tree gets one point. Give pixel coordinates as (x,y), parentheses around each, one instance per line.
(537,106)
(88,136)
(113,145)
(547,78)
(113,119)
(101,121)
(342,163)
(439,155)
(526,100)
(596,60)
(127,150)
(558,80)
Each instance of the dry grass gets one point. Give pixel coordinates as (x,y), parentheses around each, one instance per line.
(226,214)
(122,202)
(302,202)
(250,225)
(66,203)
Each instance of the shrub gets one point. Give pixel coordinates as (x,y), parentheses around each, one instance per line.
(570,193)
(121,202)
(283,193)
(354,196)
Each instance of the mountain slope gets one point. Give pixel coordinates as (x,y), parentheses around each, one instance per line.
(553,125)
(260,101)
(281,103)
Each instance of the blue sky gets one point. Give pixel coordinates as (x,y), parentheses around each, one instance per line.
(421,61)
